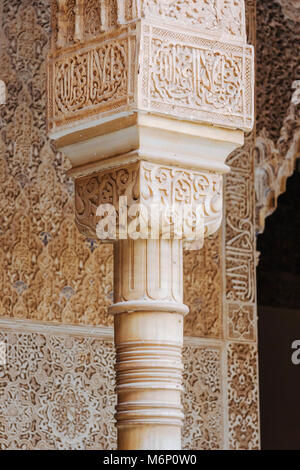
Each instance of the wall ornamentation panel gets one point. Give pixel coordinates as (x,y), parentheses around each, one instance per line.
(243,397)
(56,392)
(239,301)
(49,272)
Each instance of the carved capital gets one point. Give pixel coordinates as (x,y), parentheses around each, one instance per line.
(167,201)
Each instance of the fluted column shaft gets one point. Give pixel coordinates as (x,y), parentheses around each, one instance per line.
(148,318)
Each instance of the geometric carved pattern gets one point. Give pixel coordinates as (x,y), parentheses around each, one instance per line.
(241,322)
(56,392)
(243,396)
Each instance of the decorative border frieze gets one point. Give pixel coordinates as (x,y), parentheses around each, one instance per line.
(29,326)
(240,229)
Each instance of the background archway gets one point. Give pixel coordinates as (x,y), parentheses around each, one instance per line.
(278,287)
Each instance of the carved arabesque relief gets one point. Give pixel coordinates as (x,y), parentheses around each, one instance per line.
(56,392)
(202,401)
(202,277)
(243,409)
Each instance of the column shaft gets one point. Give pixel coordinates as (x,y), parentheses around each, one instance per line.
(148,323)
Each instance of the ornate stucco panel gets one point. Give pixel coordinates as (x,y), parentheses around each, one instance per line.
(195,77)
(152,68)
